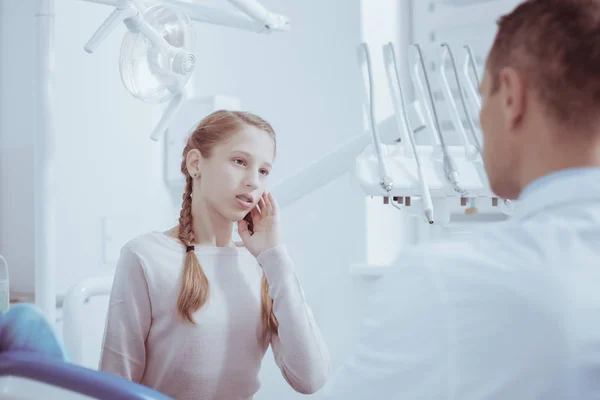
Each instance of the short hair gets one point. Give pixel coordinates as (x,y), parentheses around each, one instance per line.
(556,44)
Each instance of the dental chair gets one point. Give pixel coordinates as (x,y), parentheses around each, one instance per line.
(32,376)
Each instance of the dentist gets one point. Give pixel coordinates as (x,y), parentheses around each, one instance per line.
(514,311)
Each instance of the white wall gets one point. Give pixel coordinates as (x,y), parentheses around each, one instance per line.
(16,158)
(106,167)
(305,82)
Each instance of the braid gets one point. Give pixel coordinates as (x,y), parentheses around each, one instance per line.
(268,315)
(194,287)
(186,227)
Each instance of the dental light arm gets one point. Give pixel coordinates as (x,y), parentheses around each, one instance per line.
(261,15)
(404,127)
(364,61)
(259,20)
(124,11)
(128,12)
(176,63)
(168,116)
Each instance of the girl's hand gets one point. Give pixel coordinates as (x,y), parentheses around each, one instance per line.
(265,218)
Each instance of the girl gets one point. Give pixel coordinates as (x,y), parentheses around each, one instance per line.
(191,314)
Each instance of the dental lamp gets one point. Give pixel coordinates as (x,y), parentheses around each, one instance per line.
(156,60)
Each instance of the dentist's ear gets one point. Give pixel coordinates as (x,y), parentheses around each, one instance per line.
(513,95)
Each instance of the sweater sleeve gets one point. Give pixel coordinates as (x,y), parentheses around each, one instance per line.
(123,350)
(299,349)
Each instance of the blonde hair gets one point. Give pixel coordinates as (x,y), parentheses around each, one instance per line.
(213,129)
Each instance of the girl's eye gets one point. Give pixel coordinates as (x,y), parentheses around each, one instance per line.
(239,161)
(264,172)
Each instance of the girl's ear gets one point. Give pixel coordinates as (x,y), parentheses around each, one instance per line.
(192,162)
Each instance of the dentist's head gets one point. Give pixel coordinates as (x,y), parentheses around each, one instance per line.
(541,93)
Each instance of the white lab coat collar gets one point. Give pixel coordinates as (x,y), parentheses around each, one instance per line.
(578,186)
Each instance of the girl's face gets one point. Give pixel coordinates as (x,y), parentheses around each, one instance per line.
(234,177)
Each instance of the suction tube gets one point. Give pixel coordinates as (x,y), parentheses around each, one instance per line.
(365,62)
(449,164)
(402,117)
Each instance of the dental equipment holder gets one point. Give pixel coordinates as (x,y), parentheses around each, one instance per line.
(428,173)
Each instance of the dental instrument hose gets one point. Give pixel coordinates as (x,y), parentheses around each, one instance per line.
(386,180)
(462,100)
(473,64)
(449,165)
(427,203)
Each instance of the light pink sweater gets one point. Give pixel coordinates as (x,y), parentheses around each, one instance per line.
(219,358)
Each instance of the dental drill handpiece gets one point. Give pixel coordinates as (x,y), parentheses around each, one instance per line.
(449,164)
(423,185)
(386,182)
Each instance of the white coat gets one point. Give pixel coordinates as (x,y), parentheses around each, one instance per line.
(510,313)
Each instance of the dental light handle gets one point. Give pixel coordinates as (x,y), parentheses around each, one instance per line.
(126,12)
(168,115)
(123,11)
(139,24)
